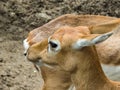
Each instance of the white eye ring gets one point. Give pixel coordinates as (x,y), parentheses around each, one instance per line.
(53,46)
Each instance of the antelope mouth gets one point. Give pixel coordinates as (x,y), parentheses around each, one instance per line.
(39,63)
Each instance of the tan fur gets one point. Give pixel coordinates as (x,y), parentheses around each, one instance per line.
(46,30)
(55,79)
(83,65)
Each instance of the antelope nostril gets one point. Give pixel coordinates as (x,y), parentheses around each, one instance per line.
(25,54)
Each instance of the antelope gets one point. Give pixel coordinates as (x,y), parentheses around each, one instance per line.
(46,30)
(73,50)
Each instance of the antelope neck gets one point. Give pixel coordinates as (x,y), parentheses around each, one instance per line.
(89,74)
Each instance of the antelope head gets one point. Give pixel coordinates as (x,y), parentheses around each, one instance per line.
(66,45)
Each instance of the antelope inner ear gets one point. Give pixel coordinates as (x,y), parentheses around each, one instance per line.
(82,43)
(101,38)
(91,41)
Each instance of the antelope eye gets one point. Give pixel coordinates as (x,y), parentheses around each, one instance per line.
(53,45)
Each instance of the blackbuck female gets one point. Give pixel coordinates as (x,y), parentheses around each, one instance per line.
(62,79)
(48,29)
(73,50)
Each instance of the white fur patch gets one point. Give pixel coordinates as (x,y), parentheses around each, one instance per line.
(49,66)
(82,43)
(51,50)
(25,45)
(72,87)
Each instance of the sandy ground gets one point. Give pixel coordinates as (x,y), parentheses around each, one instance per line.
(18,17)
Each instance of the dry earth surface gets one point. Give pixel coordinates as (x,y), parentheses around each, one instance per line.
(18,17)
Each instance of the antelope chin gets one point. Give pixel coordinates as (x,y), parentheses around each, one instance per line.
(40,63)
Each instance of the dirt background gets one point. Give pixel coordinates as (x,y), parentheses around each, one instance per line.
(18,17)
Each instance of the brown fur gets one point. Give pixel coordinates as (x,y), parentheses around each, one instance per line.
(44,31)
(83,65)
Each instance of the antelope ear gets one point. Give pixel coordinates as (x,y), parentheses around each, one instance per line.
(105,27)
(91,40)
